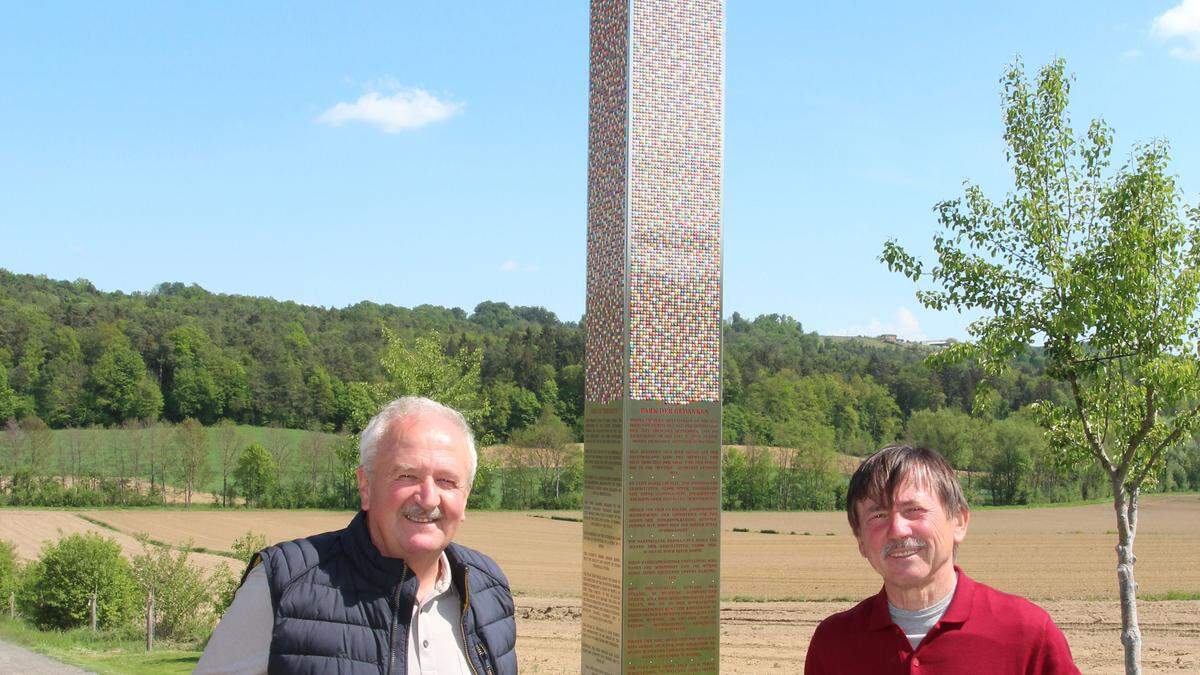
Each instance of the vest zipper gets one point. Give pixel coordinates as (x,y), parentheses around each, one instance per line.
(395,615)
(462,621)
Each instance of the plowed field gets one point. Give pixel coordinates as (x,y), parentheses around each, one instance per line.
(776,586)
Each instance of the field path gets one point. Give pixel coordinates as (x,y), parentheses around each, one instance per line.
(14,659)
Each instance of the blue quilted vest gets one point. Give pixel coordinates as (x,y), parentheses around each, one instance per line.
(341,607)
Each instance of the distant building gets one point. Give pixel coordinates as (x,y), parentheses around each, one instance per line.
(891,338)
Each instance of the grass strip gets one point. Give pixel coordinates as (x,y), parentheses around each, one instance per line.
(1170,595)
(156,542)
(99,652)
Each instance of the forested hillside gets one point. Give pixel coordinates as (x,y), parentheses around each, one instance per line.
(72,356)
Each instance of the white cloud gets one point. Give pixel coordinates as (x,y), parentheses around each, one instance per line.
(1130,54)
(514,266)
(903,325)
(1181,21)
(398,111)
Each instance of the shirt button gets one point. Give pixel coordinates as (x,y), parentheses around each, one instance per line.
(916,662)
(425,644)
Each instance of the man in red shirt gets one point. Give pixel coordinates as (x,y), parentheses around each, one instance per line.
(909,515)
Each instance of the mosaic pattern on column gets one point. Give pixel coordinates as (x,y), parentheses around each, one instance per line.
(605,337)
(675,200)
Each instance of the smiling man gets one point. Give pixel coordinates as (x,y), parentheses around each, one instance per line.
(390,593)
(909,515)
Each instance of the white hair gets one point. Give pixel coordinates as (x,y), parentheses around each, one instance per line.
(401,409)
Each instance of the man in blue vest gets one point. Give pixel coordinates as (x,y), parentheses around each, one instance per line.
(390,593)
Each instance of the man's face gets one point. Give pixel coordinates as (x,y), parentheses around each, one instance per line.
(416,491)
(912,543)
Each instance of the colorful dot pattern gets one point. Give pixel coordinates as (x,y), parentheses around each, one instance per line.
(677,119)
(607,159)
(654,200)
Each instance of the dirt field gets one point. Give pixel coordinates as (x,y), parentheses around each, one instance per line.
(771,637)
(1062,557)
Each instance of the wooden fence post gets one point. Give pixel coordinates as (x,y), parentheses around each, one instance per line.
(150,620)
(92,610)
(12,604)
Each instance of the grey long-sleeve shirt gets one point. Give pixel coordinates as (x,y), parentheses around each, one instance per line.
(241,643)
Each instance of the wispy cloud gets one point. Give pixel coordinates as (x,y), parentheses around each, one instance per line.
(514,266)
(1130,54)
(903,324)
(399,110)
(1181,21)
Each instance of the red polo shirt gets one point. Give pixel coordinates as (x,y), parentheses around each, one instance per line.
(982,631)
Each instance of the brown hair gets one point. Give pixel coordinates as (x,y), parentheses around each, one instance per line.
(880,475)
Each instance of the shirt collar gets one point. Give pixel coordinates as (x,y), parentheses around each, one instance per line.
(960,607)
(442,584)
(958,611)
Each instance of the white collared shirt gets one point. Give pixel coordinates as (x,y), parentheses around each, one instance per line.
(435,639)
(241,643)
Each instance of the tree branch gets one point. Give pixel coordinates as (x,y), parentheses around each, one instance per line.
(1102,359)
(1167,442)
(1097,451)
(1144,428)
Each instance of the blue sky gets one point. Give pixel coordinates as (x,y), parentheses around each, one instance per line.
(416,153)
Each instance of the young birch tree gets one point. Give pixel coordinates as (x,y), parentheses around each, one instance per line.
(1104,268)
(191,448)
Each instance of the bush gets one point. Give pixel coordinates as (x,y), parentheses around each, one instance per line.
(8,570)
(183,597)
(227,583)
(56,587)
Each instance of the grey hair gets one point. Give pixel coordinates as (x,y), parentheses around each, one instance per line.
(402,408)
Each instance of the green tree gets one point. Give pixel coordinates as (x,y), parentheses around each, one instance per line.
(255,474)
(345,451)
(747,478)
(204,382)
(8,569)
(228,441)
(549,447)
(120,386)
(183,597)
(807,475)
(59,389)
(1017,442)
(56,588)
(8,397)
(39,444)
(955,434)
(225,582)
(1105,267)
(191,457)
(422,368)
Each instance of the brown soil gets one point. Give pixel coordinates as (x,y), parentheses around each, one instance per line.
(766,637)
(1061,557)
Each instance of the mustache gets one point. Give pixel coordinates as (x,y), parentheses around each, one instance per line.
(907,542)
(417,512)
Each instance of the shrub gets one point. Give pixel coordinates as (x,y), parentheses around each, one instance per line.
(56,587)
(183,597)
(8,570)
(227,583)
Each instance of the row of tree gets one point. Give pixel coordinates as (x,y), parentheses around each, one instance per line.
(74,357)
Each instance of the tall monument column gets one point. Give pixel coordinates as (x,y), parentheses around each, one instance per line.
(652,413)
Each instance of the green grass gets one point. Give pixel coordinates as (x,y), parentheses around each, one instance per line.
(99,652)
(1170,595)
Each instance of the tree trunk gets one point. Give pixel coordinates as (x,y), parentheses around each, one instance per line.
(1126,505)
